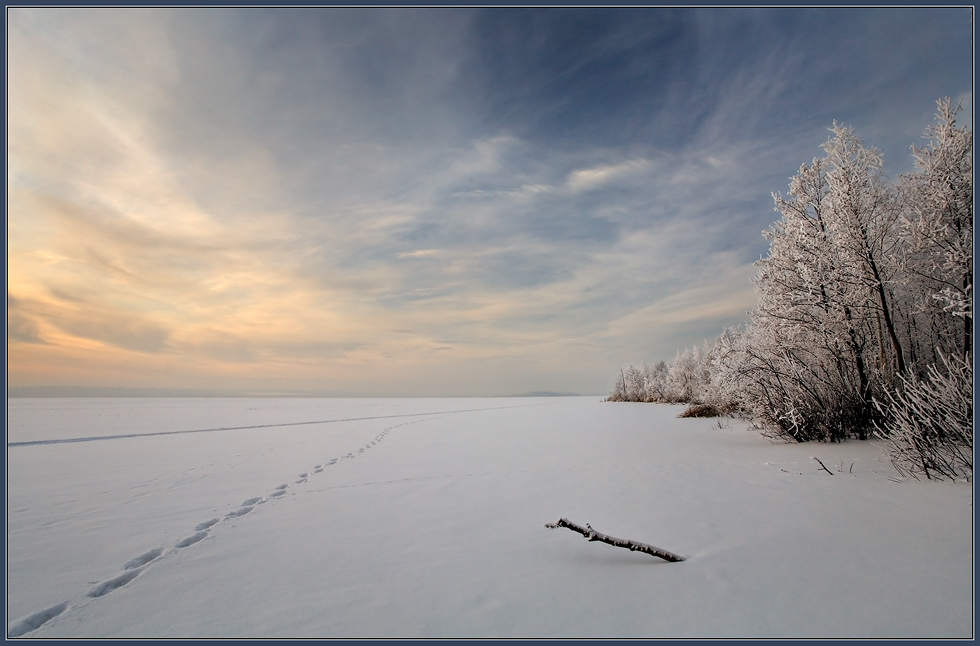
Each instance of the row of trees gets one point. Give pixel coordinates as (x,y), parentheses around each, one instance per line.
(864,321)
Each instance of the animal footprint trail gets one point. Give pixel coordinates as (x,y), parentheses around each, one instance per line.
(190,540)
(144,558)
(113,584)
(135,566)
(36,620)
(241,511)
(205,525)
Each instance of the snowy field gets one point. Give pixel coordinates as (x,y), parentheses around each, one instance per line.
(426,518)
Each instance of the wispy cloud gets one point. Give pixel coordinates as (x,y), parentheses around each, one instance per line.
(421,201)
(590,178)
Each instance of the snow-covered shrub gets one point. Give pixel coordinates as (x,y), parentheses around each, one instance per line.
(789,388)
(701,410)
(928,426)
(619,393)
(684,376)
(691,377)
(655,382)
(630,386)
(722,390)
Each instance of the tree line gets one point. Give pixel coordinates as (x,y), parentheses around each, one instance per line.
(864,320)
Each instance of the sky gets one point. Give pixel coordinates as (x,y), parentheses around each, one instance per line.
(422,202)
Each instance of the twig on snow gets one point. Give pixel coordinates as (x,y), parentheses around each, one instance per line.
(822,465)
(632,546)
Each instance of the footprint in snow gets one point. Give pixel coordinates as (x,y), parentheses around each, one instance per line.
(106,587)
(241,511)
(143,559)
(190,540)
(132,568)
(317,466)
(36,620)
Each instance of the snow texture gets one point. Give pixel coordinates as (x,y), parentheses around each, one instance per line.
(398,523)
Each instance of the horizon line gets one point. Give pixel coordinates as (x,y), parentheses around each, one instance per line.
(114,392)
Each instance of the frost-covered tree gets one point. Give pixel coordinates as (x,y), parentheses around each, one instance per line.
(866,287)
(929,420)
(692,376)
(685,376)
(864,215)
(937,231)
(822,339)
(655,382)
(629,386)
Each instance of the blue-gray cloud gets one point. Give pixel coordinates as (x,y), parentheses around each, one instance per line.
(497,178)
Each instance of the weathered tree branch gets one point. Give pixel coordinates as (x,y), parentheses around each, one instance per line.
(632,546)
(822,465)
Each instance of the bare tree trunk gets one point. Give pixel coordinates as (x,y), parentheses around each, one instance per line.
(879,287)
(632,546)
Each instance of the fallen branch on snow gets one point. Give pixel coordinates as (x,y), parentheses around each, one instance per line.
(822,465)
(632,546)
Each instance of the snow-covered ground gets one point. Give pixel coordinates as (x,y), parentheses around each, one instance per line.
(426,518)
